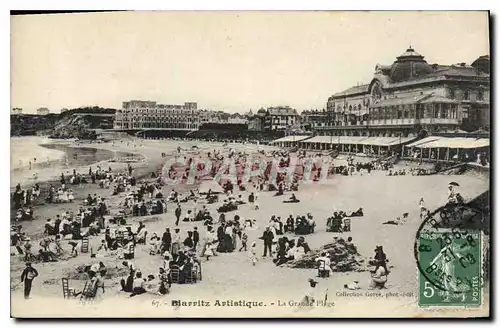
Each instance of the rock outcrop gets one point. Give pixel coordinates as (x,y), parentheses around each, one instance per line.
(75,123)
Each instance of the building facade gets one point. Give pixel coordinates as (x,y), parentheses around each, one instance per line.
(144,115)
(280,118)
(42,111)
(256,122)
(311,119)
(412,98)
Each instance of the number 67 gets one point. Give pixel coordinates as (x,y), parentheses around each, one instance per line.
(428,290)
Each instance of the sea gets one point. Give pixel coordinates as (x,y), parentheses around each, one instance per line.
(24,150)
(34,157)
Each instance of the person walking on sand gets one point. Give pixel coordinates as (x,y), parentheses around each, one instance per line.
(252,253)
(29,273)
(421,204)
(196,238)
(244,239)
(178,212)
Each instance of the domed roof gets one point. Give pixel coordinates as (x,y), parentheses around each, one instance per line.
(408,66)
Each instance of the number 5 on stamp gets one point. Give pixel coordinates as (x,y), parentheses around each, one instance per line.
(449,264)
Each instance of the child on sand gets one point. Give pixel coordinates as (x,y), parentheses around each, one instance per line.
(244,239)
(252,253)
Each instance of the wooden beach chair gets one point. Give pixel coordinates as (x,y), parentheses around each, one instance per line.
(89,291)
(85,245)
(67,292)
(132,250)
(174,274)
(347,225)
(323,272)
(191,276)
(199,272)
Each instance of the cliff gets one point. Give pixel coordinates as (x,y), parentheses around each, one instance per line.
(75,123)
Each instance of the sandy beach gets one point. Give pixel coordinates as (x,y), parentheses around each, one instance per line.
(231,275)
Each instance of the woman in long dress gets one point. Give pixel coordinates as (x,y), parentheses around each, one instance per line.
(228,240)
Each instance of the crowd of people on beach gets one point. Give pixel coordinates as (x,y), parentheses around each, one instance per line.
(181,248)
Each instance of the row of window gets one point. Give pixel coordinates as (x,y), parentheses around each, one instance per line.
(148,118)
(466,94)
(156,125)
(414,111)
(369,134)
(161,111)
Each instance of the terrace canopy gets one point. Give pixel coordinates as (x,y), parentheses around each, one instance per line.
(443,148)
(423,141)
(358,140)
(457,143)
(386,141)
(290,139)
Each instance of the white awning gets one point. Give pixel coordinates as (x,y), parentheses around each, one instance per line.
(352,140)
(321,139)
(336,140)
(401,140)
(483,142)
(358,140)
(423,141)
(462,143)
(290,138)
(386,141)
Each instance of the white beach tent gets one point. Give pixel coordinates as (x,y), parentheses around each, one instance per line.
(210,184)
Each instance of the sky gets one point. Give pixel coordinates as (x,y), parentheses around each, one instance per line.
(231,61)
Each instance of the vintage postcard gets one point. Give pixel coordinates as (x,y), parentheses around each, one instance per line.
(263,164)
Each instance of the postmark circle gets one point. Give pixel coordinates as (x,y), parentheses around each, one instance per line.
(447,248)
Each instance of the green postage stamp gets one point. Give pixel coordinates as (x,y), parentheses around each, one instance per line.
(450,268)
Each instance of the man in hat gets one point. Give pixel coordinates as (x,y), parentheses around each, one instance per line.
(29,273)
(178,212)
(196,237)
(166,240)
(267,237)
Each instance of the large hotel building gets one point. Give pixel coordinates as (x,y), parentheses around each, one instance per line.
(412,98)
(144,115)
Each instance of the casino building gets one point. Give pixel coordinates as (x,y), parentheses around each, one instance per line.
(411,98)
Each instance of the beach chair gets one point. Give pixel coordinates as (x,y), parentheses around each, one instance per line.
(323,272)
(67,292)
(89,291)
(85,245)
(347,225)
(199,272)
(174,274)
(132,250)
(191,276)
